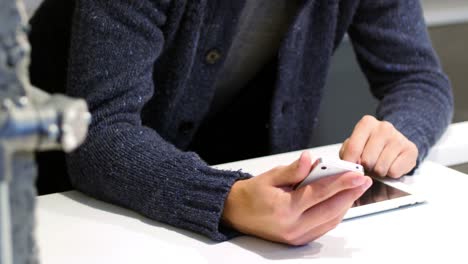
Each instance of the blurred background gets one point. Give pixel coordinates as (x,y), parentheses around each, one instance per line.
(447,21)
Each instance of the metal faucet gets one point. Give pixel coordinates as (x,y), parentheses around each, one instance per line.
(30,120)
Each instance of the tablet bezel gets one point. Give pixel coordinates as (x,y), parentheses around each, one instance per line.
(412,198)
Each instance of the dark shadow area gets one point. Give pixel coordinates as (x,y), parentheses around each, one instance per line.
(49,38)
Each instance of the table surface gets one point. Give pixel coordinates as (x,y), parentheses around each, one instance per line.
(74,228)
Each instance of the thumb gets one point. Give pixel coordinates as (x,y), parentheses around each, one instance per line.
(295,172)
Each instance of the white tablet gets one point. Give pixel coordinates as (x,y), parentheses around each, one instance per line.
(383,195)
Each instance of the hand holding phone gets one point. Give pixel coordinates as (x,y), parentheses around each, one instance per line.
(324,167)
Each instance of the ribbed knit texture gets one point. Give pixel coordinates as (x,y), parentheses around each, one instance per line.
(141,66)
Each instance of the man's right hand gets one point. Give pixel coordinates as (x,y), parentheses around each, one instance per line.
(267,206)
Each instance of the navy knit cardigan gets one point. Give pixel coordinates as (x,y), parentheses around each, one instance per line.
(142,67)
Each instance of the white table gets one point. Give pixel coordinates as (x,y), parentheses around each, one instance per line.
(74,228)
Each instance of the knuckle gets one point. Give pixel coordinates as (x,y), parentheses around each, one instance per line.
(367,162)
(394,172)
(368,119)
(386,126)
(352,150)
(386,131)
(380,169)
(401,142)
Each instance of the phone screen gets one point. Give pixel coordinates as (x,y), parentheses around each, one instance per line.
(378,192)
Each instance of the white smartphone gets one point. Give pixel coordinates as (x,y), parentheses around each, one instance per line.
(324,167)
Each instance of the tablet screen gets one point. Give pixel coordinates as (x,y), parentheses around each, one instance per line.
(379,192)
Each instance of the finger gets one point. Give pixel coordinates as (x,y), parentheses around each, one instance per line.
(330,208)
(387,158)
(319,231)
(344,146)
(403,164)
(323,217)
(324,188)
(358,138)
(376,143)
(293,173)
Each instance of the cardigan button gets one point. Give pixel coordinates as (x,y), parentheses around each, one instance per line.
(212,56)
(186,127)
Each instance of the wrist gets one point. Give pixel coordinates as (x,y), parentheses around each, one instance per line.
(233,203)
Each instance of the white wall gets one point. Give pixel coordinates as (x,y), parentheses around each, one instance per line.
(443,12)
